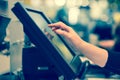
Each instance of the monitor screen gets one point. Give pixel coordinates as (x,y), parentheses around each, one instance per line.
(35,24)
(53,38)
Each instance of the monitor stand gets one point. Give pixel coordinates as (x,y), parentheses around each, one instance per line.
(35,65)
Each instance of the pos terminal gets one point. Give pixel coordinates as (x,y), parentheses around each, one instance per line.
(50,58)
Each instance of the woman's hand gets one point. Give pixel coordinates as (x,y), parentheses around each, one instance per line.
(64,30)
(71,37)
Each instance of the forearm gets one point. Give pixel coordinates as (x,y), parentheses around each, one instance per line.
(97,55)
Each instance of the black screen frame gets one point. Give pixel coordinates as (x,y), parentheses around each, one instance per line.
(20,10)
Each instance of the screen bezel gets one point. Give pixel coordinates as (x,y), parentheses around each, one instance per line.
(21,12)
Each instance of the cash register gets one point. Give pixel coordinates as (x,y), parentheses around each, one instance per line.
(50,58)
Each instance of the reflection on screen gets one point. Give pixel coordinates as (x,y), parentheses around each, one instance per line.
(59,45)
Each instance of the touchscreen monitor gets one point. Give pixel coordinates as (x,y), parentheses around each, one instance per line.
(35,24)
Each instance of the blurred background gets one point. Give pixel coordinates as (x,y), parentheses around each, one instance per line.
(89,18)
(96,21)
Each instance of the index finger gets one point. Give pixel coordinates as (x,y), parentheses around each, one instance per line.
(59,25)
